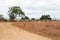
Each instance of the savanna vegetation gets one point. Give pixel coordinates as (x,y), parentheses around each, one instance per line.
(43,26)
(16,11)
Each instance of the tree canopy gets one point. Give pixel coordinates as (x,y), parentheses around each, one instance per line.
(25,18)
(45,17)
(33,19)
(14,11)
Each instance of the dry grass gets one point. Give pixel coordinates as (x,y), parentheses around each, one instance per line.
(49,29)
(10,32)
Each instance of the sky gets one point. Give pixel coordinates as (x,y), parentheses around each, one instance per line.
(33,8)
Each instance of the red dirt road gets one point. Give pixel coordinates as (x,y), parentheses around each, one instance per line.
(10,32)
(49,29)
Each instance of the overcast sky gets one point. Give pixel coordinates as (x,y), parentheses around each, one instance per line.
(32,8)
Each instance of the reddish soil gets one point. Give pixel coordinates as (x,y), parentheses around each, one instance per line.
(10,32)
(50,29)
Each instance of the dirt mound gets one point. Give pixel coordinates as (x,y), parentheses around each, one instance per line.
(50,29)
(10,32)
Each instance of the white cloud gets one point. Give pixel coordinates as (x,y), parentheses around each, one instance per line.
(33,7)
(56,2)
(27,11)
(40,3)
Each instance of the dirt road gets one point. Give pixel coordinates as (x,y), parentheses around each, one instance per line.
(10,32)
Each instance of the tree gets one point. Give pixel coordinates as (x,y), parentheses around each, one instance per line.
(33,19)
(14,11)
(45,17)
(25,18)
(1,17)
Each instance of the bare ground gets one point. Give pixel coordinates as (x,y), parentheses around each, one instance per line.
(49,29)
(10,32)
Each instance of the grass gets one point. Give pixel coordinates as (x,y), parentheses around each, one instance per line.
(49,29)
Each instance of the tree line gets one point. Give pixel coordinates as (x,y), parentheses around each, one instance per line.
(17,11)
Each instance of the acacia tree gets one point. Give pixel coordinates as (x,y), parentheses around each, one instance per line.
(25,18)
(45,17)
(1,17)
(33,19)
(14,11)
